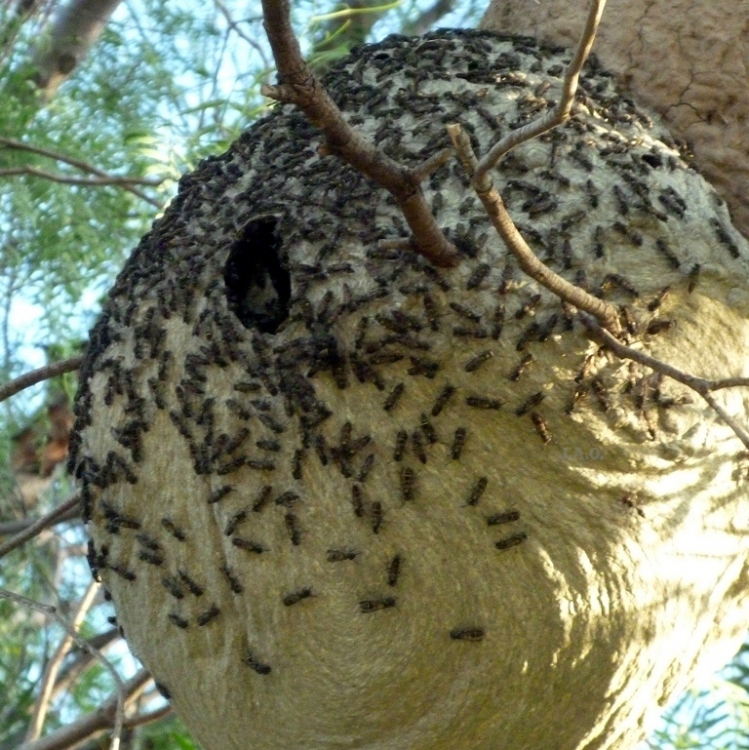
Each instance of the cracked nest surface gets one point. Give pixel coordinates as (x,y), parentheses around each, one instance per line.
(344,500)
(686,59)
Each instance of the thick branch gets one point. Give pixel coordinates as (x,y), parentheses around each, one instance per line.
(37,376)
(298,85)
(78,26)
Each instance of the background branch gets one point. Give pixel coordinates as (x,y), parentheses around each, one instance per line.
(39,375)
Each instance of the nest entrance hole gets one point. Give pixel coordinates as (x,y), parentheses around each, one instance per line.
(258,287)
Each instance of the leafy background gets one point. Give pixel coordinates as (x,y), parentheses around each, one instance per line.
(165,85)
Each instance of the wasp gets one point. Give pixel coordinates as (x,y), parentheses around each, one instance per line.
(542,428)
(174,530)
(205,617)
(376,517)
(256,665)
(263,498)
(339,555)
(418,446)
(507,516)
(373,605)
(479,274)
(258,464)
(247,545)
(474,363)
(220,493)
(394,569)
(477,490)
(466,312)
(408,483)
(366,468)
(667,253)
(480,402)
(498,320)
(173,587)
(400,445)
(531,402)
(655,303)
(296,464)
(234,583)
(521,368)
(459,440)
(180,622)
(467,634)
(430,309)
(393,397)
(442,399)
(291,526)
(511,541)
(659,326)
(192,587)
(297,596)
(152,558)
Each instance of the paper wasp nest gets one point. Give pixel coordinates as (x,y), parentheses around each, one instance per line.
(343,499)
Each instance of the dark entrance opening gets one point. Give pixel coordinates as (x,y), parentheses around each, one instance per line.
(258,287)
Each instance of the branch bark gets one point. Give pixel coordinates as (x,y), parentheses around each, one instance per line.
(298,85)
(75,30)
(31,531)
(53,665)
(39,375)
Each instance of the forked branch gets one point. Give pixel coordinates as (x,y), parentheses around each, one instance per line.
(561,113)
(299,86)
(529,262)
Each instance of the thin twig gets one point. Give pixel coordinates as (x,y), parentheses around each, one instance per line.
(234,26)
(40,524)
(298,85)
(514,241)
(147,718)
(126,183)
(115,706)
(37,376)
(19,525)
(84,166)
(560,113)
(702,386)
(41,705)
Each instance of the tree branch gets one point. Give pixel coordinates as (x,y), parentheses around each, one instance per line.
(560,113)
(41,705)
(77,27)
(42,523)
(113,708)
(428,18)
(39,375)
(298,85)
(702,386)
(515,243)
(126,183)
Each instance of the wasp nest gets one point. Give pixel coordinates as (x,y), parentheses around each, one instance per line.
(343,499)
(694,71)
